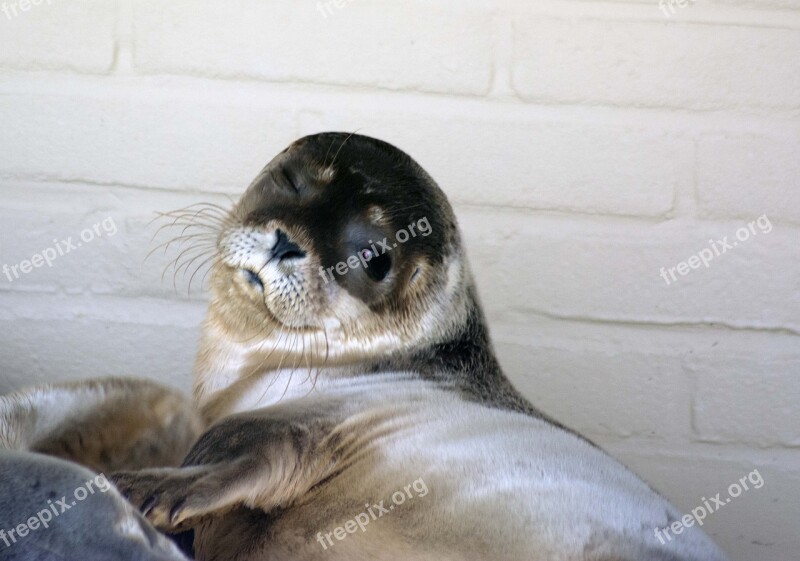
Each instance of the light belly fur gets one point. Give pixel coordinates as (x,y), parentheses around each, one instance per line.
(501,485)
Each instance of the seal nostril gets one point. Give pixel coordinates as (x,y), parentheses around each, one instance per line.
(286,249)
(253,279)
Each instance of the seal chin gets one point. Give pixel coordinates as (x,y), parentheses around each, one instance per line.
(284,323)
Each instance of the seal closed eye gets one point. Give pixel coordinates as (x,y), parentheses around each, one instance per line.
(360,371)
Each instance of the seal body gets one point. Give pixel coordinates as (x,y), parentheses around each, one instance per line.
(52,506)
(357,409)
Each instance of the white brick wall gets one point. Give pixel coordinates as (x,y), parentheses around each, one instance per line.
(585,144)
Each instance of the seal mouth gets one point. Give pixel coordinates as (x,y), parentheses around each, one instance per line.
(253,279)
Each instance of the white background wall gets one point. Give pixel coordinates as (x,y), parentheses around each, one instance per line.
(585,145)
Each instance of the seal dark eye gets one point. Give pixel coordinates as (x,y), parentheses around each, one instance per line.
(378,266)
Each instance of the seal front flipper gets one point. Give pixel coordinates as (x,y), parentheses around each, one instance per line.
(168,497)
(261,459)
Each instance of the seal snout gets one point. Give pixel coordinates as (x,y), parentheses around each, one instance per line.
(284,248)
(264,258)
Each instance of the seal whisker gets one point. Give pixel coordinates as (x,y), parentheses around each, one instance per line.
(211,268)
(207,224)
(283,333)
(214,228)
(187,263)
(200,204)
(170,214)
(213,257)
(199,225)
(342,146)
(315,376)
(191,247)
(205,213)
(200,243)
(257,334)
(294,367)
(200,229)
(280,365)
(182,239)
(320,366)
(256,369)
(190,218)
(212,212)
(325,159)
(310,356)
(176,266)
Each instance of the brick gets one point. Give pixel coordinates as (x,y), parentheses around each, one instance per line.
(44,217)
(747,400)
(609,272)
(528,161)
(624,394)
(153,142)
(57,35)
(51,338)
(616,381)
(413,46)
(651,64)
(177,140)
(746,175)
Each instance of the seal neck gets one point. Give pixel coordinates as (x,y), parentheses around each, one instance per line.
(464,361)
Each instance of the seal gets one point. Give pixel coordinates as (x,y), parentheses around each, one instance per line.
(51,506)
(356,405)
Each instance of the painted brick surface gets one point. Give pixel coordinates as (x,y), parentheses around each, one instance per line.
(591,149)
